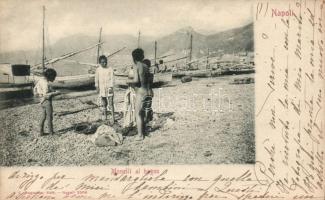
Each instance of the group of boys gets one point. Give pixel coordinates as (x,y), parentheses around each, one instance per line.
(104,82)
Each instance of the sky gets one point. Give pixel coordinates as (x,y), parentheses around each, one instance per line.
(21,20)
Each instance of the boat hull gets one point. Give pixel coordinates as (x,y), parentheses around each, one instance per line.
(11,90)
(193,73)
(158,80)
(73,82)
(238,72)
(212,73)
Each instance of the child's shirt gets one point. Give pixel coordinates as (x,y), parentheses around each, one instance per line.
(41,89)
(104,80)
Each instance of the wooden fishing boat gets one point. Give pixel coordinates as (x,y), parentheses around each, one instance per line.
(14,81)
(64,82)
(74,82)
(194,73)
(158,79)
(236,69)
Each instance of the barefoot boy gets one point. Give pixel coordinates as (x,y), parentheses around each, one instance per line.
(43,90)
(141,83)
(104,82)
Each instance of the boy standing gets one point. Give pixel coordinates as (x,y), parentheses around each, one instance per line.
(104,83)
(44,92)
(141,82)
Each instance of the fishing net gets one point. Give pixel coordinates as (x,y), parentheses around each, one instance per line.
(106,136)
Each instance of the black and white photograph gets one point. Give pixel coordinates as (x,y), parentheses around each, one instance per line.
(97,83)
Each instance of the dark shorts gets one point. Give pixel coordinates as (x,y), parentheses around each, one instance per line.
(146,108)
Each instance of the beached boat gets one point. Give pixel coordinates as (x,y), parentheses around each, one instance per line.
(159,79)
(220,71)
(65,82)
(14,81)
(73,82)
(193,73)
(237,71)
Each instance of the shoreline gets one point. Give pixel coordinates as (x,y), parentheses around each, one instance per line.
(180,136)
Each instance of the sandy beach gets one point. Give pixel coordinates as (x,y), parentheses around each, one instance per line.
(206,121)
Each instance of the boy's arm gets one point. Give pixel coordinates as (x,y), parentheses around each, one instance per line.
(135,79)
(141,74)
(51,94)
(54,93)
(136,73)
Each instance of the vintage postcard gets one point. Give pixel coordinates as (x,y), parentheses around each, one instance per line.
(182,100)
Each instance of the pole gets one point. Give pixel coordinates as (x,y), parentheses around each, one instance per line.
(139,39)
(115,52)
(99,46)
(155,52)
(64,56)
(191,43)
(190,53)
(43,42)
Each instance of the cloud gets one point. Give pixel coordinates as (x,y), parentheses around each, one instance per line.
(21,20)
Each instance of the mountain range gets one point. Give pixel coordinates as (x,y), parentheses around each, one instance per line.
(178,42)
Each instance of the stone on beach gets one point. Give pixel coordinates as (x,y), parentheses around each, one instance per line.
(185,79)
(169,123)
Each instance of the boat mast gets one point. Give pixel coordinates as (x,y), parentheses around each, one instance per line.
(155,52)
(99,41)
(191,41)
(43,42)
(139,39)
(190,52)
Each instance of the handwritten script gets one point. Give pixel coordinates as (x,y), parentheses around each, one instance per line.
(290,126)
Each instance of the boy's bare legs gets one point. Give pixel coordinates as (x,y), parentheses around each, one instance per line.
(139,117)
(43,118)
(104,107)
(111,105)
(49,112)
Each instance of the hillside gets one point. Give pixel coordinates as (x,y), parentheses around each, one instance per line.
(178,42)
(234,40)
